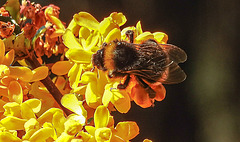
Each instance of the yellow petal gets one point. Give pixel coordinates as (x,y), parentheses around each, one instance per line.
(101,117)
(79,56)
(103,134)
(41,93)
(70,40)
(53,132)
(58,121)
(91,130)
(106,26)
(123,104)
(6,80)
(84,32)
(119,18)
(160,37)
(80,90)
(70,101)
(57,22)
(61,67)
(26,111)
(15,92)
(22,73)
(4,91)
(92,41)
(107,95)
(64,137)
(91,95)
(139,28)
(84,136)
(2,103)
(34,104)
(9,57)
(74,75)
(143,37)
(88,77)
(113,35)
(12,109)
(22,62)
(74,124)
(102,81)
(2,51)
(74,27)
(13,123)
(42,134)
(57,33)
(31,124)
(86,20)
(127,130)
(4,71)
(39,73)
(48,115)
(8,137)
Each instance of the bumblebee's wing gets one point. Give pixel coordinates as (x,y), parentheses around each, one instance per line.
(173,73)
(174,53)
(166,60)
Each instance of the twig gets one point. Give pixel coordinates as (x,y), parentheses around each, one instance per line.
(47,82)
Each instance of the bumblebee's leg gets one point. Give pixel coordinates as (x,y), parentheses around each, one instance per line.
(92,70)
(148,89)
(125,84)
(130,35)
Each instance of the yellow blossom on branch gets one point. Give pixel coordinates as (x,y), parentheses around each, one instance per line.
(104,129)
(15,80)
(30,98)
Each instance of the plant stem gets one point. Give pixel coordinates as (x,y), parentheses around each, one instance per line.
(47,82)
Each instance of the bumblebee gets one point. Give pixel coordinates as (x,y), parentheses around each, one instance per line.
(148,62)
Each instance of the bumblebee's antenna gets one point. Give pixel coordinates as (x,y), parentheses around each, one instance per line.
(130,35)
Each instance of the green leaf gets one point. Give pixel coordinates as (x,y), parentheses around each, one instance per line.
(13,7)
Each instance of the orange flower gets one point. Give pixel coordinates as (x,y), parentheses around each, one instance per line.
(29,30)
(6,29)
(4,12)
(141,97)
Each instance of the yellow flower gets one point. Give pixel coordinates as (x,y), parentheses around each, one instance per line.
(105,131)
(40,92)
(140,36)
(17,116)
(14,80)
(91,35)
(8,58)
(75,122)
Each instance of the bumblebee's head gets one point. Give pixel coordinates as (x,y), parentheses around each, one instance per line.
(98,59)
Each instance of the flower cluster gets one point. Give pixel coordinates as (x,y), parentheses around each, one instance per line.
(75,104)
(84,36)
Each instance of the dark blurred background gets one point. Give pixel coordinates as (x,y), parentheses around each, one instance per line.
(205,107)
